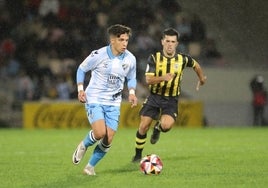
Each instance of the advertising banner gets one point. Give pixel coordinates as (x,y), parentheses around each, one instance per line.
(73,115)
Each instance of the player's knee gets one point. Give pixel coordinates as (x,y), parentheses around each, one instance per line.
(165,129)
(143,129)
(99,136)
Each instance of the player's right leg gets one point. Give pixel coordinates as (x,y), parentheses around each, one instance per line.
(82,147)
(139,145)
(141,136)
(94,113)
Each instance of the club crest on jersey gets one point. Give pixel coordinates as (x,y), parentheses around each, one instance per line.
(177,66)
(125,66)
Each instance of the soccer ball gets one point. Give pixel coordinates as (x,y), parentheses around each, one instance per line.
(151,164)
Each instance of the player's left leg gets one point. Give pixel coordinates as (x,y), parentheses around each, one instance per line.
(169,114)
(99,152)
(156,132)
(163,125)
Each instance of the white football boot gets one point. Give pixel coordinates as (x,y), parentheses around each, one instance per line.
(89,170)
(79,153)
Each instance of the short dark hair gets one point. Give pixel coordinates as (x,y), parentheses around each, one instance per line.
(171,32)
(118,30)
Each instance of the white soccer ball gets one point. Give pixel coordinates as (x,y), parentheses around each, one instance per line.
(151,164)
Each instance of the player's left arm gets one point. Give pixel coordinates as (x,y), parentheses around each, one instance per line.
(197,68)
(132,84)
(132,96)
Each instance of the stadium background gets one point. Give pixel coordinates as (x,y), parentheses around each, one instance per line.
(231,44)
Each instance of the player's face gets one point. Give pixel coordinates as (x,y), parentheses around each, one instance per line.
(119,44)
(169,44)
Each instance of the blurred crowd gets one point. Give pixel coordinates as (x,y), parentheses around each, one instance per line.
(43,41)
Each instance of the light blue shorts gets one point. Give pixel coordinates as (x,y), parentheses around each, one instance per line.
(109,113)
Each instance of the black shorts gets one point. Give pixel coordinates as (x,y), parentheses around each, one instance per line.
(156,105)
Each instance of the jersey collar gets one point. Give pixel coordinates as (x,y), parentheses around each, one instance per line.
(111,55)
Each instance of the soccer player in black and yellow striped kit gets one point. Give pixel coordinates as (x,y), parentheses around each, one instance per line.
(163,75)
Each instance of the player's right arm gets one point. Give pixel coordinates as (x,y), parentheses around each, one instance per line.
(150,79)
(88,64)
(150,74)
(80,77)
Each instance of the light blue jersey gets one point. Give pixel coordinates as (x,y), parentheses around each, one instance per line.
(108,73)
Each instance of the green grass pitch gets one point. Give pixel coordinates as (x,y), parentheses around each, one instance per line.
(206,157)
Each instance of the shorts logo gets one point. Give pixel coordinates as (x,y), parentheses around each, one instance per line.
(90,114)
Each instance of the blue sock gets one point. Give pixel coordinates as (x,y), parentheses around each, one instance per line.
(98,153)
(89,140)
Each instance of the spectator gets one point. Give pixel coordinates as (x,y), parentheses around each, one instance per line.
(198,30)
(63,88)
(211,54)
(183,26)
(259,100)
(24,88)
(144,43)
(49,6)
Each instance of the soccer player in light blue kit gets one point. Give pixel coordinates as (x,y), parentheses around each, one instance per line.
(110,66)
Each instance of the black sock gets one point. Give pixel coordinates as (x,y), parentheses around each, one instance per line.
(158,126)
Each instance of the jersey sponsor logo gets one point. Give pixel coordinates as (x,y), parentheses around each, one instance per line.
(113,81)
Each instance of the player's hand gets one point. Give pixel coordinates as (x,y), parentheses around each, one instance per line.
(201,82)
(169,76)
(82,96)
(133,100)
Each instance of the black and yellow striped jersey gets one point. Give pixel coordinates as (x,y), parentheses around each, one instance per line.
(159,65)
